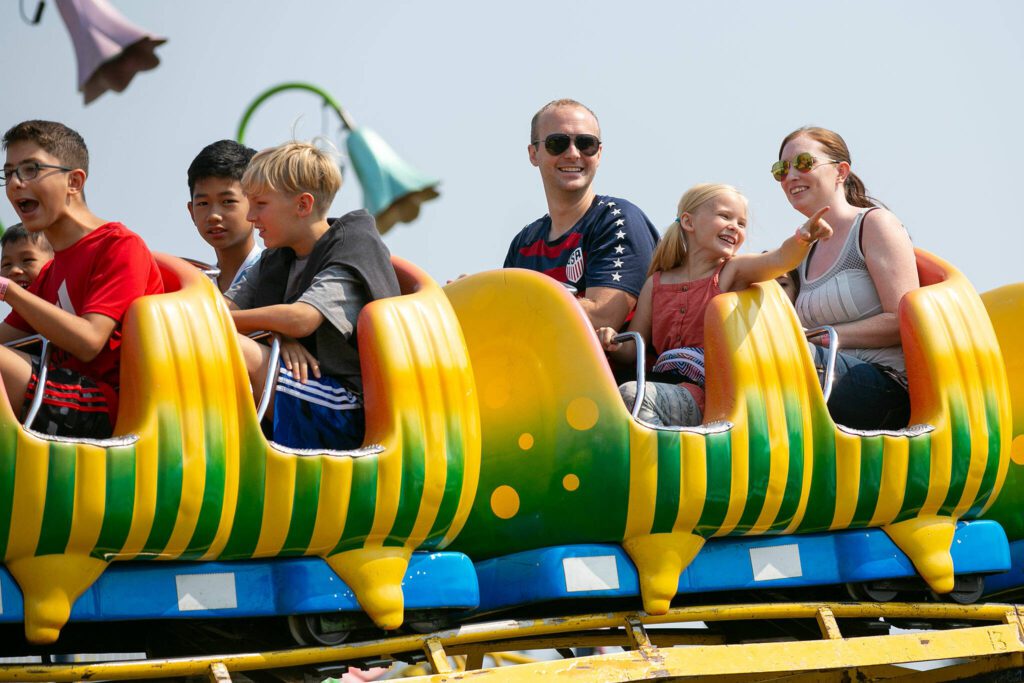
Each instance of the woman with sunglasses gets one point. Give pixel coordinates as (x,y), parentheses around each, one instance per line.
(853,282)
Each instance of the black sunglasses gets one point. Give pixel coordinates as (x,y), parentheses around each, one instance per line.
(557,143)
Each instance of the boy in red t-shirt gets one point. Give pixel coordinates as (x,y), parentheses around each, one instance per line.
(80,297)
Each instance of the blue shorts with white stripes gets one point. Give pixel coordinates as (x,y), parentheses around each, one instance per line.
(318,414)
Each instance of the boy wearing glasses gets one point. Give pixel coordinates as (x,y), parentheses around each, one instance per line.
(599,245)
(80,297)
(308,287)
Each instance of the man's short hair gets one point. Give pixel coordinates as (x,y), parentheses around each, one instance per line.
(221,159)
(53,138)
(294,168)
(564,102)
(17,232)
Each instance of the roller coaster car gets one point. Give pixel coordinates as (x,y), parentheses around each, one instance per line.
(564,465)
(188,475)
(1006,309)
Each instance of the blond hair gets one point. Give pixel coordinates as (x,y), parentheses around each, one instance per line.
(672,250)
(295,168)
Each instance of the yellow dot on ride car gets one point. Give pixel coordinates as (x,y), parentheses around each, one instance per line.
(505,502)
(582,413)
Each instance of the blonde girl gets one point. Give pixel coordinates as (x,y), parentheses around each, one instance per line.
(696,260)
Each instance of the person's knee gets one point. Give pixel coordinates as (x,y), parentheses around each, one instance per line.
(16,371)
(628,392)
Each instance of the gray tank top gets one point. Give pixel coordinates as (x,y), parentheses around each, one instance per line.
(846,293)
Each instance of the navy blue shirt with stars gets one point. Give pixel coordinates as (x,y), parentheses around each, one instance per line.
(610,246)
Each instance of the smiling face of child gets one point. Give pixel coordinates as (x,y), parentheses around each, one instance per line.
(21,260)
(719,225)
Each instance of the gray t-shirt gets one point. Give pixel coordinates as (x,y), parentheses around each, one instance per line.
(338,294)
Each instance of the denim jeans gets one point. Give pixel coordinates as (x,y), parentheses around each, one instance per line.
(663,404)
(863,395)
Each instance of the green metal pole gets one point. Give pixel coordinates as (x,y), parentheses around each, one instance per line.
(346,120)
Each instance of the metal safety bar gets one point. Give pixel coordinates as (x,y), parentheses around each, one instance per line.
(272,368)
(641,368)
(830,360)
(44,361)
(212,272)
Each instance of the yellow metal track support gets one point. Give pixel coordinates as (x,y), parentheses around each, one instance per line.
(992,646)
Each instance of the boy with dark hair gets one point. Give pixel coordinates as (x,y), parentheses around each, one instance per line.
(80,297)
(218,208)
(23,254)
(308,287)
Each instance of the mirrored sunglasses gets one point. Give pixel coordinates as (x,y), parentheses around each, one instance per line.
(803,162)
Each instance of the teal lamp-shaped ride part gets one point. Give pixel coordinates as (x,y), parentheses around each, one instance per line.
(392,189)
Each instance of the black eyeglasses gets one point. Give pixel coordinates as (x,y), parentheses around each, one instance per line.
(27,170)
(557,143)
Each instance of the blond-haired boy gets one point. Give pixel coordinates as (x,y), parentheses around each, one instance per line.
(308,287)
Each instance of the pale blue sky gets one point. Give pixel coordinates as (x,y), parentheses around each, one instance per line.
(927,94)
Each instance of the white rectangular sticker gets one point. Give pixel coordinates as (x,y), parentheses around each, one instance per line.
(776,562)
(597,573)
(206,591)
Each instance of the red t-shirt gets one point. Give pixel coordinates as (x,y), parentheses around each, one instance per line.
(103,272)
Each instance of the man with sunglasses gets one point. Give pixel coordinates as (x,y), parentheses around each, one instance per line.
(597,244)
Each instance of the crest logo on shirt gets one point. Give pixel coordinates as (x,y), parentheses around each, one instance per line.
(574,268)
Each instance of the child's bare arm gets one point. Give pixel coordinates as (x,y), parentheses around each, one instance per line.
(81,336)
(641,322)
(294,320)
(745,269)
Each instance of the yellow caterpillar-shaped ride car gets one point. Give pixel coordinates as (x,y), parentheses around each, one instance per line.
(494,426)
(189,475)
(564,462)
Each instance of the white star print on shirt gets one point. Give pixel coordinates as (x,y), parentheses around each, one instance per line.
(611,203)
(617,263)
(620,222)
(620,234)
(615,212)
(616,277)
(619,249)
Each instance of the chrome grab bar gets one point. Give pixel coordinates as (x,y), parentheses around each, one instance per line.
(830,360)
(641,357)
(272,368)
(212,272)
(44,361)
